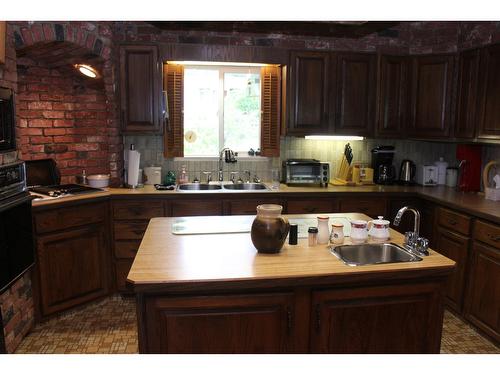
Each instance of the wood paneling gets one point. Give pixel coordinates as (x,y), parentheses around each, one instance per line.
(196,207)
(126,249)
(309,93)
(370,206)
(219,324)
(311,206)
(68,217)
(467,94)
(432,78)
(137,210)
(487,233)
(173,84)
(122,268)
(270,111)
(394,96)
(377,320)
(355,94)
(129,230)
(489,113)
(140,89)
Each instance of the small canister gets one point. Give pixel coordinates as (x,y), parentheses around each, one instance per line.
(451,176)
(312,236)
(337,234)
(292,237)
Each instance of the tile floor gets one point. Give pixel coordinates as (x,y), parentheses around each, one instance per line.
(109,326)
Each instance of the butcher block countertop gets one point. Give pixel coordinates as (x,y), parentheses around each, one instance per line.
(471,203)
(167,261)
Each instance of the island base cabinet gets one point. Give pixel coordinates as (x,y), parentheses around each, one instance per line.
(376,320)
(218,324)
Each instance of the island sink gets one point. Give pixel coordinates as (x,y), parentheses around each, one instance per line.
(365,254)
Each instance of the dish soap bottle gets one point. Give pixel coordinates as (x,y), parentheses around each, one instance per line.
(183,177)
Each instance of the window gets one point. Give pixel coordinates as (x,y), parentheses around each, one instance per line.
(221,109)
(213,106)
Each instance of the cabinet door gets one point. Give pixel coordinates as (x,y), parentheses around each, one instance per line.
(386,319)
(355,94)
(431,96)
(248,206)
(467,94)
(196,207)
(372,206)
(309,93)
(489,106)
(394,96)
(140,89)
(73,267)
(483,298)
(455,247)
(311,206)
(220,324)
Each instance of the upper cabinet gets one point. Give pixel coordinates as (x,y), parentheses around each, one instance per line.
(489,93)
(140,89)
(355,87)
(332,93)
(394,96)
(309,93)
(432,82)
(467,94)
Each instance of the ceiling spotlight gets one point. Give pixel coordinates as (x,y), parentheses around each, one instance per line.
(87,70)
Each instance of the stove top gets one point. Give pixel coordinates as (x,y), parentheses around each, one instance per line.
(55,191)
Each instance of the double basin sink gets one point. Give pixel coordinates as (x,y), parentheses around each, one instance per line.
(248,186)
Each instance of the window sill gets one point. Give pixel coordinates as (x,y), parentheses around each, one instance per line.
(216,158)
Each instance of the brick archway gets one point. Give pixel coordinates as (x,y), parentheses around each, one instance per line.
(76,126)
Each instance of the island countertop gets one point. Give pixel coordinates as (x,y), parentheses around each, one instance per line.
(167,261)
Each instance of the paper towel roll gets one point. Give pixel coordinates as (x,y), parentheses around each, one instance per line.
(134,158)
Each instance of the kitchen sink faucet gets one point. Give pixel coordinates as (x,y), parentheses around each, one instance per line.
(413,241)
(229,157)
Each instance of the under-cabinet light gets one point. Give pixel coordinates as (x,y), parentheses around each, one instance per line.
(87,70)
(334,137)
(216,63)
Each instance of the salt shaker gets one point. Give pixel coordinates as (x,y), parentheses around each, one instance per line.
(337,235)
(312,236)
(323,230)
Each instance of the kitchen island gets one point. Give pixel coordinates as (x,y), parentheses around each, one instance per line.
(213,293)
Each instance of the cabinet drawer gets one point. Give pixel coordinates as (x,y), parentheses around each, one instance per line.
(196,207)
(310,206)
(123,210)
(122,268)
(373,206)
(133,230)
(126,249)
(68,217)
(453,220)
(487,233)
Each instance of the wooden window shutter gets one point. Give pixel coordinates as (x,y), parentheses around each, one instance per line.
(270,111)
(173,83)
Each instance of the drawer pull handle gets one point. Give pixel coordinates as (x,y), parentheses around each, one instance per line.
(289,319)
(318,318)
(494,238)
(453,222)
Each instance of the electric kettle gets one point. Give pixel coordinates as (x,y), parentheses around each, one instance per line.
(407,172)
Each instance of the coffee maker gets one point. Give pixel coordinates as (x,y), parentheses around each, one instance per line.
(384,172)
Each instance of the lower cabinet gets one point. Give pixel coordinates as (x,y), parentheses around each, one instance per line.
(73,267)
(247,206)
(395,319)
(196,207)
(259,323)
(369,205)
(311,206)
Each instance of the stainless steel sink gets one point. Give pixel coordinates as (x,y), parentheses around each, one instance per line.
(196,186)
(246,186)
(364,254)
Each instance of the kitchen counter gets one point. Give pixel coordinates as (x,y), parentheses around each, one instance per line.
(471,203)
(214,293)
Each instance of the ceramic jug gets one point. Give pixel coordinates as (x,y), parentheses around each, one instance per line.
(379,229)
(269,229)
(359,231)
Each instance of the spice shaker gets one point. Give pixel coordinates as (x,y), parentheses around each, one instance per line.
(312,236)
(292,238)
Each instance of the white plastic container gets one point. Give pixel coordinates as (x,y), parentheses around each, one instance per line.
(153,175)
(98,180)
(323,230)
(441,165)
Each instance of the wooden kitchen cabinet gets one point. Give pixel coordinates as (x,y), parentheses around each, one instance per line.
(311,206)
(467,95)
(140,89)
(369,205)
(248,206)
(310,75)
(196,207)
(431,96)
(260,323)
(355,88)
(394,101)
(73,267)
(482,305)
(489,93)
(393,319)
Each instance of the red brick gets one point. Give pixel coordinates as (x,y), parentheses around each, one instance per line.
(63,123)
(63,139)
(54,131)
(40,140)
(48,30)
(38,87)
(40,105)
(52,97)
(63,106)
(29,96)
(27,36)
(53,114)
(29,131)
(30,114)
(85,147)
(40,123)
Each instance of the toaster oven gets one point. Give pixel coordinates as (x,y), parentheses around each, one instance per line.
(305,172)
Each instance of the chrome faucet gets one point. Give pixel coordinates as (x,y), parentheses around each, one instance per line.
(413,242)
(248,174)
(229,157)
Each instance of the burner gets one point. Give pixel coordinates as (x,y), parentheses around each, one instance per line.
(61,190)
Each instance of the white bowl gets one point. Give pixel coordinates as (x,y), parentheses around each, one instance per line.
(98,180)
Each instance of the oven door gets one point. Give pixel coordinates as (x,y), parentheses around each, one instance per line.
(16,238)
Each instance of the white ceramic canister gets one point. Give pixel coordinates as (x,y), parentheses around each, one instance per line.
(323,230)
(153,175)
(442,165)
(337,234)
(451,177)
(379,229)
(359,231)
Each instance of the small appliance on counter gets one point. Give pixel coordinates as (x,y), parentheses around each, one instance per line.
(152,175)
(407,172)
(427,175)
(362,175)
(384,171)
(442,165)
(305,172)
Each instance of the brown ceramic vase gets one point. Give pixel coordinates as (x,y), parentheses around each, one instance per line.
(269,229)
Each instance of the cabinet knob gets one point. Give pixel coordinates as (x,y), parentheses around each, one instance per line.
(493,237)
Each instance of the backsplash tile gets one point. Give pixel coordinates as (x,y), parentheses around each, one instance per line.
(421,152)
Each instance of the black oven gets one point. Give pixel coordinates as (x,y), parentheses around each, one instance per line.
(16,232)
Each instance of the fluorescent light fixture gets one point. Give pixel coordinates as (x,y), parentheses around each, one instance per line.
(218,63)
(87,70)
(334,137)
